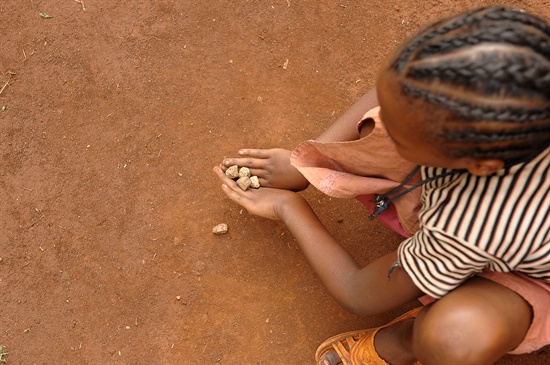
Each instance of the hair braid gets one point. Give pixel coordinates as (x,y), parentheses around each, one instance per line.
(499,60)
(479,113)
(488,72)
(505,34)
(429,33)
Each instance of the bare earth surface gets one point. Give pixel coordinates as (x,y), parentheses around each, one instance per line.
(113,115)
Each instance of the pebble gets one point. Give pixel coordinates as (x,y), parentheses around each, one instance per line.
(254,182)
(242,177)
(220,229)
(199,268)
(244,182)
(244,172)
(232,172)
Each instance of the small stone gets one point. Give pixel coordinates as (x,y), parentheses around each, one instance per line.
(199,268)
(220,229)
(244,172)
(254,182)
(232,172)
(244,182)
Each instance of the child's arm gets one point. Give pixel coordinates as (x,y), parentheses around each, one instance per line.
(361,290)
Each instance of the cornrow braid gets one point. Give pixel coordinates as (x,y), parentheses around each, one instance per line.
(479,113)
(489,72)
(490,68)
(472,17)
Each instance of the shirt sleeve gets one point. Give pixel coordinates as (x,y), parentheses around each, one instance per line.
(438,262)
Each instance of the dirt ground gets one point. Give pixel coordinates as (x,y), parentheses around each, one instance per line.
(113,114)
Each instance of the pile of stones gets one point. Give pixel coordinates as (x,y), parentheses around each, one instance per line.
(242,177)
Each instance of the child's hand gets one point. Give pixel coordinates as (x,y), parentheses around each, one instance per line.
(272,167)
(264,202)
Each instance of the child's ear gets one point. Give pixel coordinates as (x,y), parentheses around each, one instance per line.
(484,167)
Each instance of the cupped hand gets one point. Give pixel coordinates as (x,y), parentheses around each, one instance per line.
(272,166)
(264,202)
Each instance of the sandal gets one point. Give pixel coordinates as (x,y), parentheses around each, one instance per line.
(357,347)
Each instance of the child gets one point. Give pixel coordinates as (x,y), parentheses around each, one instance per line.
(468,100)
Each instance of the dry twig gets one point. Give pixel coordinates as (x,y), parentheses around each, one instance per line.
(3,87)
(7,82)
(81,2)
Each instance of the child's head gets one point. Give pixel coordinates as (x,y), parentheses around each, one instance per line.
(474,87)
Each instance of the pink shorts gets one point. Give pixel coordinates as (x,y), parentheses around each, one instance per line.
(387,218)
(536,293)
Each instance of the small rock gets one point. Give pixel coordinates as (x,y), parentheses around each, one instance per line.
(232,172)
(244,172)
(199,268)
(220,229)
(254,182)
(244,182)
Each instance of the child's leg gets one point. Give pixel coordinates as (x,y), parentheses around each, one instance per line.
(345,127)
(477,323)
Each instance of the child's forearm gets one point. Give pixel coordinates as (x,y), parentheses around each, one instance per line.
(329,259)
(345,127)
(361,290)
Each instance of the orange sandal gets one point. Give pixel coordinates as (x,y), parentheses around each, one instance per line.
(357,347)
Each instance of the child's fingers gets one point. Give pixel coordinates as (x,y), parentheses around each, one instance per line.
(259,172)
(222,176)
(251,163)
(254,153)
(251,158)
(232,194)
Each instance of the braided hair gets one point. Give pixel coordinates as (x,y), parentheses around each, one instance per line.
(490,69)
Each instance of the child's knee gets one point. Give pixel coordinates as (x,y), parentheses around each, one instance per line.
(459,334)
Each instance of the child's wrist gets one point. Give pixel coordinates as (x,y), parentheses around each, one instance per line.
(291,207)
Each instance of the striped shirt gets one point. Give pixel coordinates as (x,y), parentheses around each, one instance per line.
(469,223)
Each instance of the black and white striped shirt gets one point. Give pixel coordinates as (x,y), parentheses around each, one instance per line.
(469,223)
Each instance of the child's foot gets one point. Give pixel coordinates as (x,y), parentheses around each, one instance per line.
(272,167)
(359,346)
(330,358)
